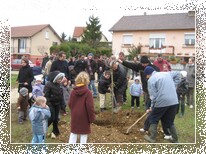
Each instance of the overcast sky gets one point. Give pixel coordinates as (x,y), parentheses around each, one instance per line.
(64,15)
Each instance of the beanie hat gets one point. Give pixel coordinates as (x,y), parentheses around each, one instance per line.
(23,91)
(144,59)
(148,70)
(90,54)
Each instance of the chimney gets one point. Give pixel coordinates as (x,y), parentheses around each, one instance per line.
(191,13)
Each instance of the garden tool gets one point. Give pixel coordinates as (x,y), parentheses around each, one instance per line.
(128,130)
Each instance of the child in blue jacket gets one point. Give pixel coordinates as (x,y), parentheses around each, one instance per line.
(39,114)
(136,92)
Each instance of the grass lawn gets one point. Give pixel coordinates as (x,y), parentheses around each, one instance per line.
(23,134)
(13,81)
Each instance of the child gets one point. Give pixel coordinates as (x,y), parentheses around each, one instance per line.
(66,93)
(135,91)
(81,105)
(103,88)
(182,90)
(22,104)
(39,114)
(54,96)
(38,88)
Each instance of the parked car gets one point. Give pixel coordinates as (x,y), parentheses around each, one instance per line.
(16,64)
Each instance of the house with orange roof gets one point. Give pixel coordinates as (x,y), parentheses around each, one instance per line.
(166,34)
(32,41)
(78,32)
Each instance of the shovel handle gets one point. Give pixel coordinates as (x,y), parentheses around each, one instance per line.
(137,121)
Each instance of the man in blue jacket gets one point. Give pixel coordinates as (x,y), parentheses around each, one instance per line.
(164,101)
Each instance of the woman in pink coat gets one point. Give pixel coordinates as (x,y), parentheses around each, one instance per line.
(82,109)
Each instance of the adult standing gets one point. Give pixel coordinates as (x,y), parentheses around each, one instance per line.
(127,74)
(190,69)
(61,65)
(164,101)
(45,60)
(162,64)
(54,95)
(120,84)
(91,69)
(100,66)
(80,65)
(25,76)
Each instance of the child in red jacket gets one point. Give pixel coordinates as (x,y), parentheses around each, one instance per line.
(81,105)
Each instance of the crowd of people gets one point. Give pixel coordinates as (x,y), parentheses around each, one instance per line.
(71,82)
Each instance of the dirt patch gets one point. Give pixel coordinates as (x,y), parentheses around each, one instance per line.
(111,128)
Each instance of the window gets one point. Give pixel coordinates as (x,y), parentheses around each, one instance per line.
(190,39)
(127,39)
(47,35)
(22,45)
(156,40)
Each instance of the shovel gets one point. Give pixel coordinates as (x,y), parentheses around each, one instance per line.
(128,130)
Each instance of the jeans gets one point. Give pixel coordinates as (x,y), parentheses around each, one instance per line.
(38,138)
(92,85)
(54,109)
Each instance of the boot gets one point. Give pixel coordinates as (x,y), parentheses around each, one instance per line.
(174,134)
(153,132)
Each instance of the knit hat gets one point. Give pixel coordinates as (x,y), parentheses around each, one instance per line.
(148,70)
(23,91)
(90,54)
(144,60)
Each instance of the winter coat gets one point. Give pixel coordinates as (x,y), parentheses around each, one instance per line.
(190,69)
(103,85)
(53,91)
(81,105)
(22,102)
(38,90)
(139,68)
(44,61)
(91,72)
(136,89)
(162,90)
(160,65)
(183,87)
(100,66)
(62,66)
(25,75)
(120,79)
(80,65)
(39,119)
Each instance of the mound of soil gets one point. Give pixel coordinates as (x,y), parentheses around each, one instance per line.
(111,128)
